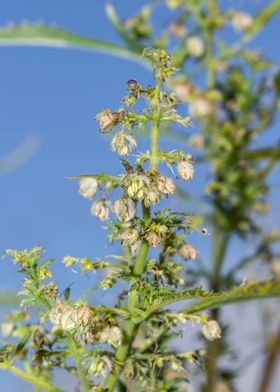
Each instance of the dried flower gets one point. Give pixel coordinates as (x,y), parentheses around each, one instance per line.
(185,170)
(100,209)
(111,335)
(195,46)
(125,209)
(82,316)
(242,21)
(211,330)
(129,236)
(188,252)
(165,185)
(156,234)
(88,187)
(123,143)
(107,120)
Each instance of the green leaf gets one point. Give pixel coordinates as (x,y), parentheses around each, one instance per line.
(252,291)
(30,34)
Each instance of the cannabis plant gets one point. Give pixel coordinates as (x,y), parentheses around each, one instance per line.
(125,346)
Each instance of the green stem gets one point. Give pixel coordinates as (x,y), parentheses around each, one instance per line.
(31,378)
(155,125)
(130,328)
(76,356)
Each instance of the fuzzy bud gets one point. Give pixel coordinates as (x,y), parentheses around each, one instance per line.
(185,170)
(153,238)
(82,316)
(125,209)
(211,330)
(100,210)
(165,185)
(107,120)
(123,143)
(111,335)
(195,46)
(188,252)
(88,187)
(129,236)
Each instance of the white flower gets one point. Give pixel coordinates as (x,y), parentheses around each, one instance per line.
(187,251)
(125,209)
(123,143)
(242,21)
(185,170)
(100,210)
(112,336)
(165,185)
(195,46)
(107,120)
(129,236)
(88,187)
(211,330)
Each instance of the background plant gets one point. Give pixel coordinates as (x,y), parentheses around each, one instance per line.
(235,88)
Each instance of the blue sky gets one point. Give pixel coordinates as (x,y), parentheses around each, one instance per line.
(52,95)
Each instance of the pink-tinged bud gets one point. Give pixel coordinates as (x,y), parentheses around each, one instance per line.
(88,187)
(107,120)
(188,252)
(165,185)
(211,330)
(100,209)
(185,170)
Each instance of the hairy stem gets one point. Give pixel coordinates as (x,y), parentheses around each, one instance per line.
(154,130)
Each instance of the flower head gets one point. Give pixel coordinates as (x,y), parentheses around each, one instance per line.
(195,46)
(165,185)
(123,143)
(129,236)
(242,21)
(125,209)
(100,209)
(187,251)
(88,187)
(185,170)
(111,335)
(211,330)
(107,120)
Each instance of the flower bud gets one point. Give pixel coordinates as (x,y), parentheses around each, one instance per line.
(201,107)
(153,238)
(125,209)
(88,187)
(165,185)
(242,22)
(107,120)
(100,210)
(211,330)
(188,252)
(185,170)
(66,322)
(195,46)
(111,335)
(151,197)
(82,316)
(123,143)
(129,236)
(136,188)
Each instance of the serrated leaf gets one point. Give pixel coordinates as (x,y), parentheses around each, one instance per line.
(37,34)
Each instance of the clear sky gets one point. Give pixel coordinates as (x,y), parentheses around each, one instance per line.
(51,96)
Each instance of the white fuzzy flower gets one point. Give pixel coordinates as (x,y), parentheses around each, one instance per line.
(195,46)
(129,236)
(211,330)
(100,209)
(201,107)
(123,143)
(188,252)
(88,187)
(125,209)
(185,170)
(112,336)
(165,185)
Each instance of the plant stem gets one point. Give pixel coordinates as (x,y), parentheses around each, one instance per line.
(130,328)
(75,354)
(269,366)
(35,380)
(154,130)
